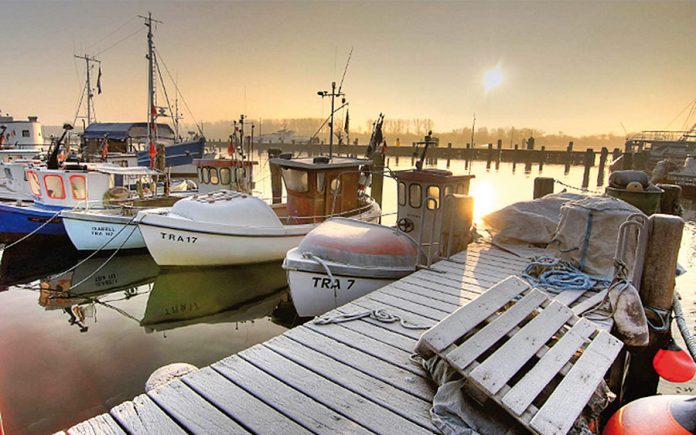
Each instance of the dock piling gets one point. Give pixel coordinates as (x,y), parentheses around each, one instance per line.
(276,181)
(602,162)
(543,186)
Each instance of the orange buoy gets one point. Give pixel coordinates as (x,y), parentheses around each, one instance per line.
(664,415)
(674,364)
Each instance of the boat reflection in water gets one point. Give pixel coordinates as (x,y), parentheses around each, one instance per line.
(175,297)
(34,258)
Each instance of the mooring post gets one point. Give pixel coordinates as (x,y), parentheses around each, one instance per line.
(656,293)
(602,162)
(569,157)
(542,186)
(589,160)
(670,203)
(542,158)
(489,156)
(276,181)
(449,153)
(377,176)
(615,154)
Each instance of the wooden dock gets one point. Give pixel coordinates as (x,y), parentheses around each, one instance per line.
(353,377)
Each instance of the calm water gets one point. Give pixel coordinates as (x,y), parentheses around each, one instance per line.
(65,358)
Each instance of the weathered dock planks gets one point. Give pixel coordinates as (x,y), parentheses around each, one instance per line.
(353,377)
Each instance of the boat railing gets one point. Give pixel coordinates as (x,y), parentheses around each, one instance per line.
(660,136)
(291,220)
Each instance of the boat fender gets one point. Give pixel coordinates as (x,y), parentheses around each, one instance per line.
(665,415)
(620,179)
(634,186)
(168,373)
(674,364)
(628,313)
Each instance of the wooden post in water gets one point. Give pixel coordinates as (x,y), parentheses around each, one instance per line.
(514,157)
(657,292)
(276,181)
(543,186)
(569,157)
(377,176)
(542,158)
(489,156)
(589,158)
(449,153)
(602,162)
(670,203)
(467,156)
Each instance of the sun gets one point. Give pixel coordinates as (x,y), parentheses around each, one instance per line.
(492,78)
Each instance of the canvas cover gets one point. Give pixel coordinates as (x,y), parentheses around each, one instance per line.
(528,222)
(587,234)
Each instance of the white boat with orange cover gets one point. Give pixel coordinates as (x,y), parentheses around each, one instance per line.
(344,259)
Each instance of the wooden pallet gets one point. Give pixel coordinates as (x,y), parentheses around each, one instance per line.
(532,355)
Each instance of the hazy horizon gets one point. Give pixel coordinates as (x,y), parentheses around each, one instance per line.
(578,68)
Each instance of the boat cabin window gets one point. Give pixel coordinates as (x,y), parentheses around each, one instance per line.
(78,187)
(34,183)
(402,193)
(415,194)
(461,188)
(25,133)
(214,179)
(296,180)
(448,190)
(205,175)
(321,180)
(54,186)
(433,194)
(335,185)
(225,176)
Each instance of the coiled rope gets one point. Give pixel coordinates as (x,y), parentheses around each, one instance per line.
(557,275)
(380,315)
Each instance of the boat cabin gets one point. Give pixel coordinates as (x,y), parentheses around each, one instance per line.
(121,137)
(19,134)
(318,187)
(422,199)
(229,174)
(82,185)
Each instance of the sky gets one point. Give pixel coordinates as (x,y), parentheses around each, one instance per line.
(576,67)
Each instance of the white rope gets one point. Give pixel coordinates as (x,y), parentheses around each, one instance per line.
(381,315)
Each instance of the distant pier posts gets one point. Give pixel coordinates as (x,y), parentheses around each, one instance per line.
(489,156)
(543,186)
(602,162)
(588,163)
(656,292)
(569,157)
(449,153)
(498,154)
(276,182)
(515,156)
(542,158)
(467,156)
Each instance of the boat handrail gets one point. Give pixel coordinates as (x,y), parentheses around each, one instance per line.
(319,218)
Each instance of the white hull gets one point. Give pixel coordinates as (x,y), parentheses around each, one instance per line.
(313,293)
(92,232)
(182,247)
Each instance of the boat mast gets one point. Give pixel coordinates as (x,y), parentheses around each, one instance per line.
(151,96)
(90,94)
(333,96)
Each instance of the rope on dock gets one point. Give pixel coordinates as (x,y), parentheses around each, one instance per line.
(381,315)
(557,275)
(683,328)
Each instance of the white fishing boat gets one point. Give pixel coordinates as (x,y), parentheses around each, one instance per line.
(227,228)
(111,225)
(344,259)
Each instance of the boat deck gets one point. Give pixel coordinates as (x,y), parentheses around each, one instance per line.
(352,377)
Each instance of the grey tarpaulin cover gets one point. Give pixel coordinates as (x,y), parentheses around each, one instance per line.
(588,231)
(528,222)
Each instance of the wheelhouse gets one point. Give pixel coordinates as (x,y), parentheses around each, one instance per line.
(318,188)
(216,174)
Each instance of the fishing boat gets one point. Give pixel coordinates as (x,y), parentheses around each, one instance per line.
(344,259)
(228,228)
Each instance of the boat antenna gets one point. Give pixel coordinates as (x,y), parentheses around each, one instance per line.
(333,94)
(88,87)
(345,70)
(151,96)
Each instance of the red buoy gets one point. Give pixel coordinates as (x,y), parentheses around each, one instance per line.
(664,415)
(674,364)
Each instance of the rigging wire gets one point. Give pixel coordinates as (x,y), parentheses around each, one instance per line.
(119,41)
(176,87)
(79,105)
(690,104)
(345,70)
(112,32)
(164,89)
